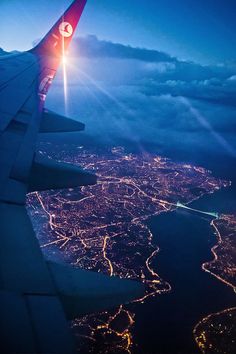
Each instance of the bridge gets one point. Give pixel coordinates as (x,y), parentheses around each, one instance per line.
(213,214)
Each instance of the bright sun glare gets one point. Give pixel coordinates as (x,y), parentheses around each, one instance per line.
(64,65)
(64,59)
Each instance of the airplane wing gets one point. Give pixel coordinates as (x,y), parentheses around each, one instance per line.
(38,297)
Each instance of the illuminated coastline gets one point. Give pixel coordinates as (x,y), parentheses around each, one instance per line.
(103,228)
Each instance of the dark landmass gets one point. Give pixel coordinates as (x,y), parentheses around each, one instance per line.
(217,332)
(224,264)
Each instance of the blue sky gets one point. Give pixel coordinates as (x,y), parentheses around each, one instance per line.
(202,31)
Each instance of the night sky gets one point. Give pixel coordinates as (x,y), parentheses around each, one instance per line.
(202,31)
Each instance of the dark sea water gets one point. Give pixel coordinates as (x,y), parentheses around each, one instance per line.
(164,324)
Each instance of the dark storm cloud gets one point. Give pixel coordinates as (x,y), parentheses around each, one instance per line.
(158,73)
(146,95)
(92,47)
(219,91)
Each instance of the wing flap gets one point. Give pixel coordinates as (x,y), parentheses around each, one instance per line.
(49,174)
(84,292)
(55,123)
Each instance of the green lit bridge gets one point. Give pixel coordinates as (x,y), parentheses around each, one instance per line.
(213,214)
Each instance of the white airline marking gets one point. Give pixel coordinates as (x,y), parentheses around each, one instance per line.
(65,29)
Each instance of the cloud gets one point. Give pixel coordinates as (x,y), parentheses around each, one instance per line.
(140,95)
(92,47)
(215,90)
(156,73)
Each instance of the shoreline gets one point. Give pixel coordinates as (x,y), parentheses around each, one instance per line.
(213,251)
(203,326)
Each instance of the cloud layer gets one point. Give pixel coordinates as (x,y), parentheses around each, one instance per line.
(159,73)
(149,96)
(144,95)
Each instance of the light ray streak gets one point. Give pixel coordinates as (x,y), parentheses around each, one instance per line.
(64,75)
(105,92)
(202,120)
(124,108)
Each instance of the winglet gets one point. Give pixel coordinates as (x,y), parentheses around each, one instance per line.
(57,40)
